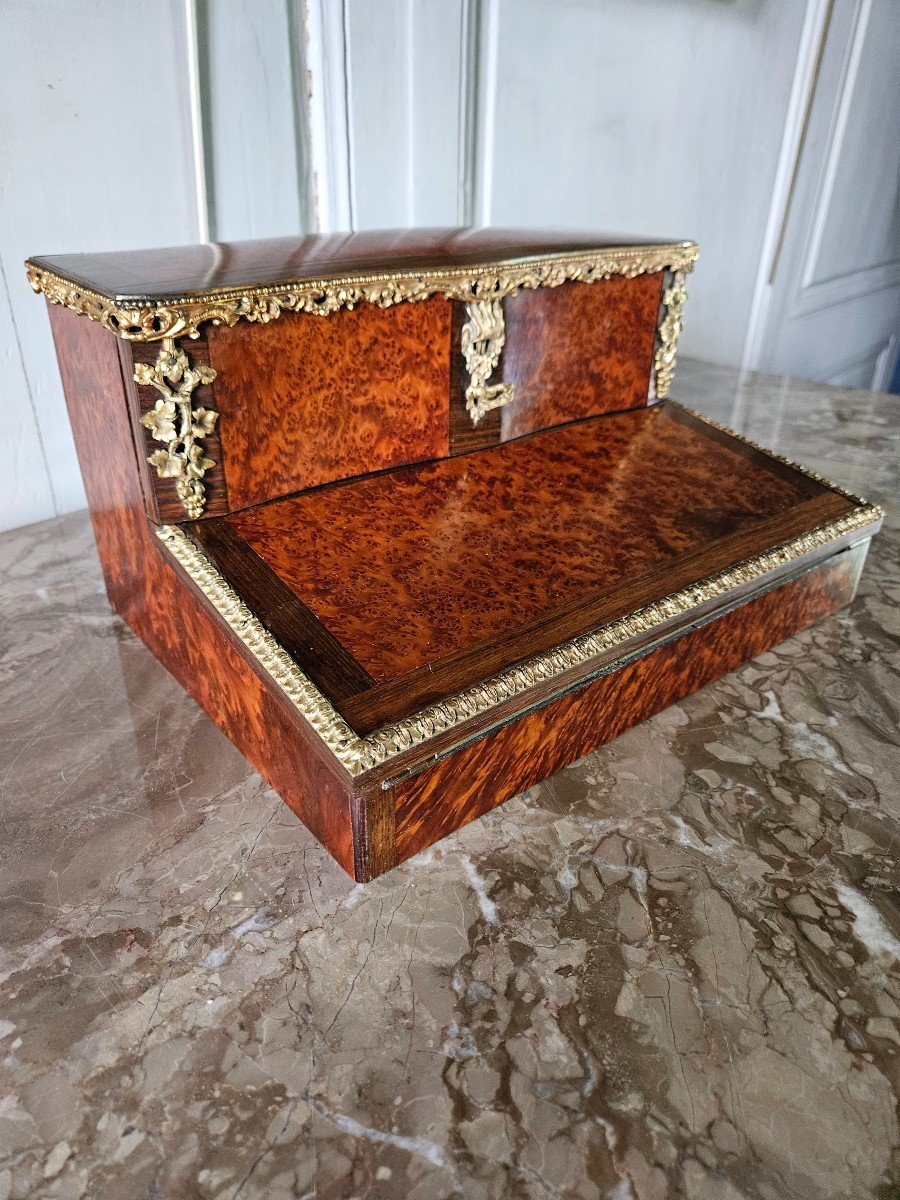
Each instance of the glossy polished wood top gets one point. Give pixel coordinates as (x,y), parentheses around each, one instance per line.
(182,271)
(479,560)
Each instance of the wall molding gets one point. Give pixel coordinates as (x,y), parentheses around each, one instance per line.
(468,110)
(485,117)
(198,129)
(872,354)
(825,187)
(809,54)
(328,108)
(841,289)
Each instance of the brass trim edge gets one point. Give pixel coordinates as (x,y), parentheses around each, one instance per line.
(272,657)
(669,331)
(480,286)
(358,755)
(788,462)
(138,320)
(326,294)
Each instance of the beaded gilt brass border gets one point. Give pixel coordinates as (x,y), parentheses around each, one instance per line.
(480,287)
(361,754)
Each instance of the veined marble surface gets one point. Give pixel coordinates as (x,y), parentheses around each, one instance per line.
(669,971)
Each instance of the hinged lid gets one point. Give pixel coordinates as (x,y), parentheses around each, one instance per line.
(144,295)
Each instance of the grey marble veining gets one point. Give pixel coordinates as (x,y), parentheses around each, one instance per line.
(669,971)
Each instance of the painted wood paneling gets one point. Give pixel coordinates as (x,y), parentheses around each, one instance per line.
(252,94)
(95,142)
(858,214)
(26,494)
(833,308)
(404,60)
(663,117)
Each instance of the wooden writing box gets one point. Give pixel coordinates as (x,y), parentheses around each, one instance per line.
(409,513)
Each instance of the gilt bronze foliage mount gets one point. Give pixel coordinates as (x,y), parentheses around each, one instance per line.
(176,423)
(481,287)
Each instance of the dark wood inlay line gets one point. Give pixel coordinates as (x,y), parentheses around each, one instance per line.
(313,647)
(425,685)
(769,462)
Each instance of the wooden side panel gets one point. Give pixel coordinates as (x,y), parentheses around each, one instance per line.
(167,614)
(469,782)
(305,399)
(578,350)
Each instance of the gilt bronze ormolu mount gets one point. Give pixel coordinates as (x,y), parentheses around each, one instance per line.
(411,515)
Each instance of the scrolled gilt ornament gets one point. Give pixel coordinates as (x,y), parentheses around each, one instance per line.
(481,340)
(488,284)
(670,326)
(175,422)
(150,321)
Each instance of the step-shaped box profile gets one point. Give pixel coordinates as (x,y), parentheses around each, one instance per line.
(403,621)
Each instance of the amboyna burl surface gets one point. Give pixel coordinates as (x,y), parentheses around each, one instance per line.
(669,971)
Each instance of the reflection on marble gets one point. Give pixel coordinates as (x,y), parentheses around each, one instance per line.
(669,971)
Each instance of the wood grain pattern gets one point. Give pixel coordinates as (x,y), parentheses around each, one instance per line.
(307,399)
(578,350)
(297,630)
(396,698)
(184,270)
(466,784)
(418,575)
(459,553)
(167,614)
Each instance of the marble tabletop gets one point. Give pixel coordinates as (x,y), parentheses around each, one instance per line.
(668,971)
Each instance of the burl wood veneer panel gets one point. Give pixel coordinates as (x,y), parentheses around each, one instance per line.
(306,399)
(578,350)
(168,615)
(468,783)
(455,554)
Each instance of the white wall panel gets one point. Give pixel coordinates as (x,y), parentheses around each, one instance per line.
(858,209)
(658,117)
(663,117)
(252,93)
(95,153)
(404,60)
(25,490)
(833,306)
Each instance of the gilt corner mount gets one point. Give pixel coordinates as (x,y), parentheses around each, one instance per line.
(176,423)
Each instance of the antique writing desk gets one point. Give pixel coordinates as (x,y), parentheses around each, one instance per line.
(410,514)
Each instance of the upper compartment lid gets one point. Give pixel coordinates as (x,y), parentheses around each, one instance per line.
(144,295)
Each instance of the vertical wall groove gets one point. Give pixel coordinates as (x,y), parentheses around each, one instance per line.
(29,391)
(348,120)
(328,107)
(410,112)
(811,42)
(296,27)
(487,45)
(198,132)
